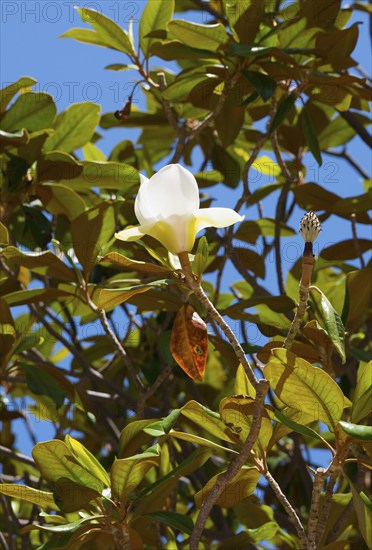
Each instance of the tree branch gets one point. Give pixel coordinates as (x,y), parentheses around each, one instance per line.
(235,466)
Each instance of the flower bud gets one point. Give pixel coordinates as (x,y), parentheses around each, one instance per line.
(310,227)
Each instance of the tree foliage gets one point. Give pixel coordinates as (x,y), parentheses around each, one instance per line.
(93,330)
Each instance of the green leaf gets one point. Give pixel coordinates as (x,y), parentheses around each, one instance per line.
(133,265)
(333,324)
(201,257)
(7,93)
(242,385)
(304,430)
(45,263)
(362,398)
(162,427)
(127,473)
(23,297)
(155,16)
(310,135)
(357,431)
(106,175)
(59,199)
(87,460)
(200,441)
(305,388)
(91,231)
(70,527)
(13,139)
(41,498)
(237,413)
(201,37)
(55,460)
(32,111)
(363,509)
(4,234)
(264,85)
(209,421)
(106,32)
(346,250)
(7,330)
(107,298)
(240,487)
(180,522)
(42,383)
(74,127)
(283,109)
(56,166)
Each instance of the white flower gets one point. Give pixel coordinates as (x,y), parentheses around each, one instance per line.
(310,227)
(167,208)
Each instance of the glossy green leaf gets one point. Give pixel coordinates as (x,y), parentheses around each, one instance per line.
(242,384)
(155,16)
(4,234)
(45,263)
(240,487)
(43,499)
(305,388)
(363,509)
(106,32)
(107,298)
(91,231)
(22,297)
(333,325)
(105,175)
(362,398)
(42,383)
(176,520)
(200,441)
(237,413)
(87,460)
(32,111)
(346,250)
(209,421)
(69,527)
(203,37)
(357,431)
(162,427)
(301,429)
(127,473)
(7,330)
(310,135)
(59,199)
(7,93)
(56,166)
(264,85)
(201,257)
(13,139)
(74,127)
(133,265)
(282,111)
(56,462)
(132,437)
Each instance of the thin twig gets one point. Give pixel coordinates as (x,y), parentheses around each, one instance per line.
(235,466)
(356,241)
(295,520)
(345,155)
(216,317)
(16,456)
(207,7)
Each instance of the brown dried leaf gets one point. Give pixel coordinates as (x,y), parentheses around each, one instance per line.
(189,342)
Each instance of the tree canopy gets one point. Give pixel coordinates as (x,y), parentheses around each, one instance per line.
(174,427)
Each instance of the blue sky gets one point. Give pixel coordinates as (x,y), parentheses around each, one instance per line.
(73,72)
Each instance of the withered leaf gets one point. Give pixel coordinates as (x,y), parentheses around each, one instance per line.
(189,342)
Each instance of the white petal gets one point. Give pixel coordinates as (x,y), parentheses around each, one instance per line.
(215,217)
(131,233)
(171,191)
(142,206)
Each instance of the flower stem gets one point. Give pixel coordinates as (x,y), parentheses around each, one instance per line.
(307,269)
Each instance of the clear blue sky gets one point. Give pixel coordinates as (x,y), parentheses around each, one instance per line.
(74,72)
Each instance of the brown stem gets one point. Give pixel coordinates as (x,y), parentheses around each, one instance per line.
(324,515)
(295,520)
(319,478)
(356,241)
(307,268)
(235,466)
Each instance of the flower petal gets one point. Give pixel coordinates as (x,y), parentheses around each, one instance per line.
(132,233)
(172,191)
(215,217)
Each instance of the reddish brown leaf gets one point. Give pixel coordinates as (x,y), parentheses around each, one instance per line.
(189,342)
